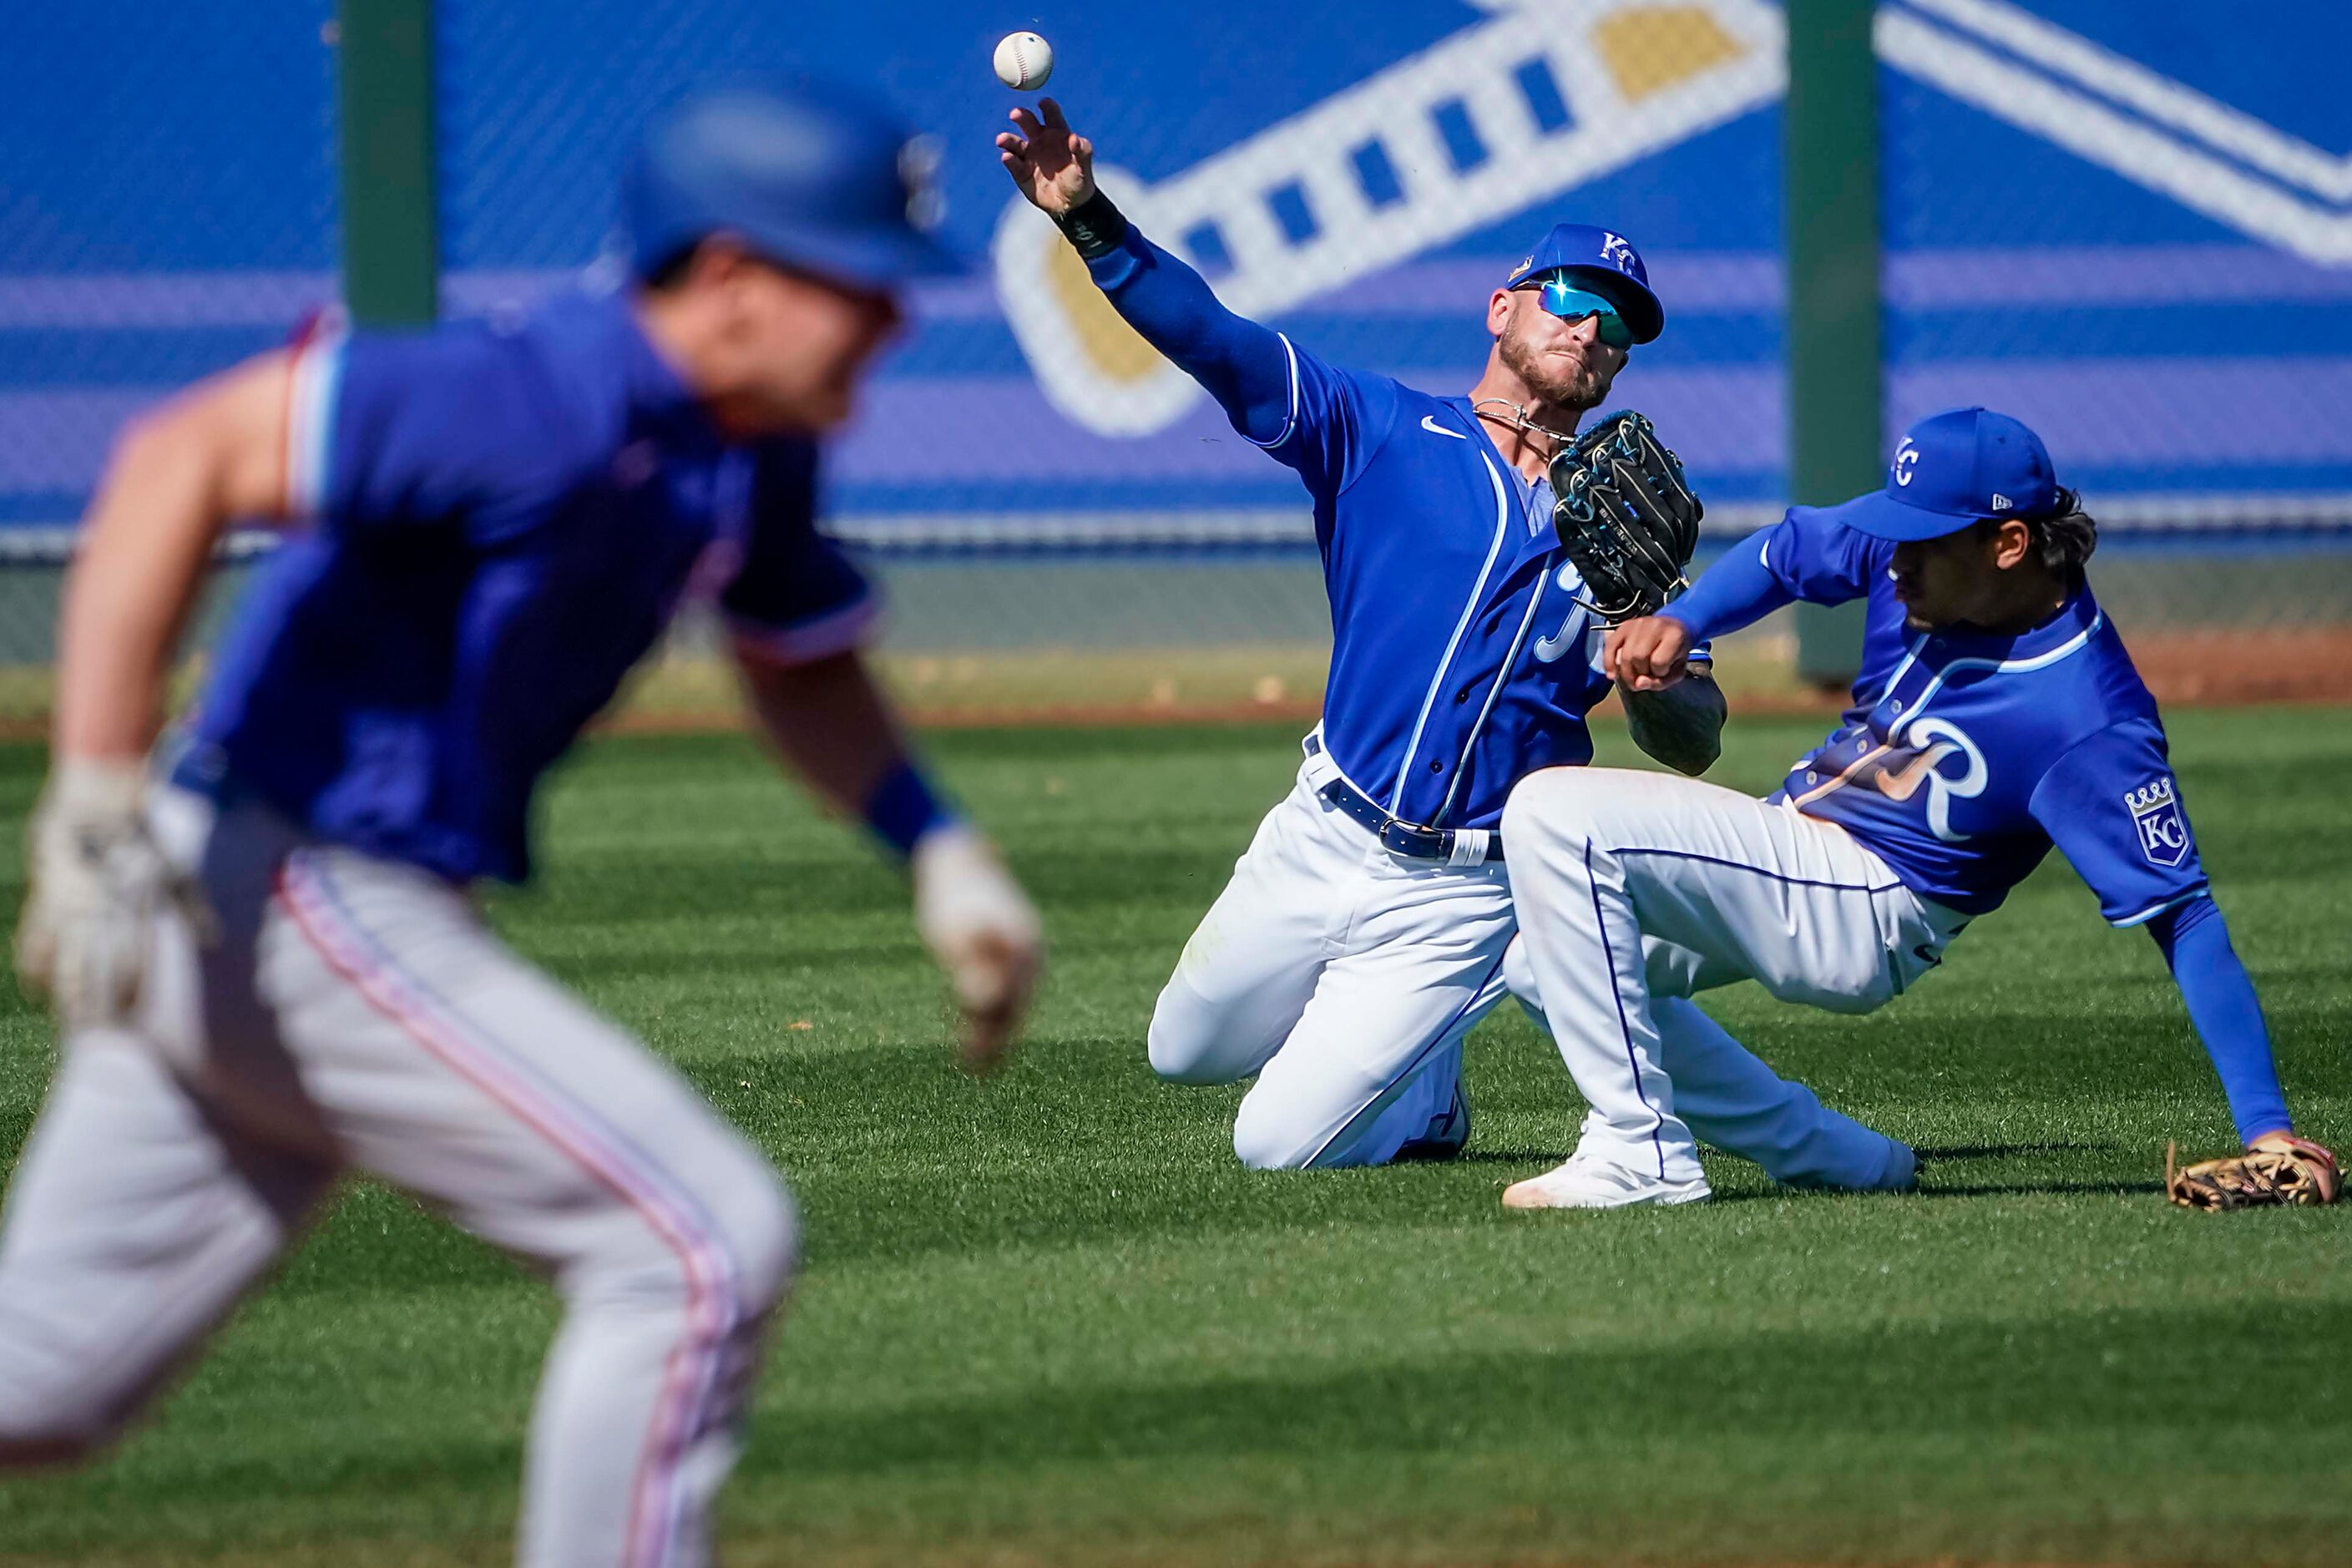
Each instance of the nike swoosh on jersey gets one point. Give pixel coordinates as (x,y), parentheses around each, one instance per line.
(1435,429)
(1903,782)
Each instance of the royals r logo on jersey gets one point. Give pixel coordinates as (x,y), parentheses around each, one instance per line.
(2163,831)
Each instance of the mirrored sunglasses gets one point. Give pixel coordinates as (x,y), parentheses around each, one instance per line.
(1570,303)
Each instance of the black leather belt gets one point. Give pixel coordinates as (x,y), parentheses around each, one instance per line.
(1408,838)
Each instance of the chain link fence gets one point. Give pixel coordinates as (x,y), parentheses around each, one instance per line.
(2095,213)
(168,206)
(2127,227)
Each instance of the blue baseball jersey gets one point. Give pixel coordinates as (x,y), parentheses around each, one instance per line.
(1966,755)
(1462,658)
(503,521)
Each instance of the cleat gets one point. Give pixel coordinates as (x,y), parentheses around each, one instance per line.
(1596,1184)
(1446,1133)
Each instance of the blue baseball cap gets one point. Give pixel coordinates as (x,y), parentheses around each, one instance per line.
(1953,469)
(818,176)
(1602,261)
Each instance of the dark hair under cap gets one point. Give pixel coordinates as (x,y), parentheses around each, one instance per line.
(2066,537)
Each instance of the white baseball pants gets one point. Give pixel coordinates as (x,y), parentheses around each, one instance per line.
(356,1015)
(1345,977)
(1635,889)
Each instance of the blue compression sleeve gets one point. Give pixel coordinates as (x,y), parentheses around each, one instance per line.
(1239,363)
(902,807)
(2228,1018)
(1738,590)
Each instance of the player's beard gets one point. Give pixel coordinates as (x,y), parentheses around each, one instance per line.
(1571,393)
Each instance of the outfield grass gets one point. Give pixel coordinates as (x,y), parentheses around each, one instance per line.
(1046,1319)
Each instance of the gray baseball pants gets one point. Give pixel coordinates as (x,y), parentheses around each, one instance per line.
(353,1013)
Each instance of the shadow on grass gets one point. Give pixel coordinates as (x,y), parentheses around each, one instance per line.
(2001,1151)
(1860,1388)
(2061,1189)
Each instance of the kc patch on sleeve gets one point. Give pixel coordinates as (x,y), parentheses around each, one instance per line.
(2163,831)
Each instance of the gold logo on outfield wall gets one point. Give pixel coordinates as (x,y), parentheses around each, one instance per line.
(1652,49)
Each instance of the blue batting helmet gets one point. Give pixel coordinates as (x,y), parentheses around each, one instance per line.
(817,176)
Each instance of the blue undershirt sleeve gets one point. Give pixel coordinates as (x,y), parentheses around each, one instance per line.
(1245,366)
(1738,590)
(1310,416)
(1807,555)
(2227,1015)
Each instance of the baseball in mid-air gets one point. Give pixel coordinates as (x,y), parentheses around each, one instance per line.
(1023,60)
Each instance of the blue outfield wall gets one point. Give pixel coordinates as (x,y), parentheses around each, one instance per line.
(2125,223)
(168,205)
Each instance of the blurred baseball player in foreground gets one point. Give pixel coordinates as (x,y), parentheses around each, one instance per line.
(269,966)
(1364,932)
(1996,714)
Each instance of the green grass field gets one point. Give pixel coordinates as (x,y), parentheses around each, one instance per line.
(1046,1319)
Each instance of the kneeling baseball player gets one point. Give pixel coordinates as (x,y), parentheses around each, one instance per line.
(268,964)
(1364,932)
(1996,714)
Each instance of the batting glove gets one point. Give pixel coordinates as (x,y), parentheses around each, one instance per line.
(98,882)
(985,932)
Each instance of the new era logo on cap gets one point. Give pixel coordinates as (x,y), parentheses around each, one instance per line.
(2001,502)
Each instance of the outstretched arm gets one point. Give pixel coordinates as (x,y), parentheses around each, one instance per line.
(2111,805)
(1245,366)
(832,725)
(2226,1014)
(1805,555)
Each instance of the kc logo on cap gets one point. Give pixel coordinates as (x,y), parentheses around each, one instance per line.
(1952,468)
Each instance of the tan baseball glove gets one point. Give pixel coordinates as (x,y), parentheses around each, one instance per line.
(2276,1168)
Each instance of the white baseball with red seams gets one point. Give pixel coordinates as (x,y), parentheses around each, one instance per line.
(1023,60)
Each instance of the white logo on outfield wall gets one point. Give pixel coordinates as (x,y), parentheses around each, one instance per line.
(1633,76)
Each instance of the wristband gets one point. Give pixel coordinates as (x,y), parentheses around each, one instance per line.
(1094,227)
(901,808)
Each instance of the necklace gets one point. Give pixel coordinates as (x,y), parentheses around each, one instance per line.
(1520,422)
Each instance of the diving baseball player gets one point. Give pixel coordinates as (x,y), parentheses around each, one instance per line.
(1996,714)
(1363,933)
(265,958)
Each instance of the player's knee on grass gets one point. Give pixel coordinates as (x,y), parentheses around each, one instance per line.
(1263,1142)
(1183,1042)
(1270,1134)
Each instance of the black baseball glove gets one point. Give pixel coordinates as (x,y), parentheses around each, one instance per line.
(1626,516)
